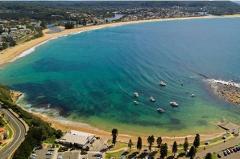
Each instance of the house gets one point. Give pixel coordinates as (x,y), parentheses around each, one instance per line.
(77,138)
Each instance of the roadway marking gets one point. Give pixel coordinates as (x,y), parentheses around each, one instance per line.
(17,135)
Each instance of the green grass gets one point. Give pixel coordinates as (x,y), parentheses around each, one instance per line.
(118,145)
(116,155)
(10,131)
(50,140)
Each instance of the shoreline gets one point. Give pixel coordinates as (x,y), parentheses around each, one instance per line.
(64,124)
(13,53)
(229,91)
(26,48)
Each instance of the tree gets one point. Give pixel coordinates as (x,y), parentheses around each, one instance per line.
(174,148)
(139,143)
(208,156)
(58,134)
(150,141)
(185,145)
(164,150)
(114,136)
(43,24)
(11,41)
(159,142)
(130,144)
(192,152)
(69,25)
(196,141)
(4,45)
(1,29)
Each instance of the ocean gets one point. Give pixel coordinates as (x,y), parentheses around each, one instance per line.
(90,77)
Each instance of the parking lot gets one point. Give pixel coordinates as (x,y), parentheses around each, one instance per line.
(230,153)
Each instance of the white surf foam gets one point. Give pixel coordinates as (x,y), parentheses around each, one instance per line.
(29,51)
(32,49)
(232,83)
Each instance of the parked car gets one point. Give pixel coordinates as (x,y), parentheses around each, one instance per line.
(225,153)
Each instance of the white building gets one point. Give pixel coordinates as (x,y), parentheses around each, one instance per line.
(77,138)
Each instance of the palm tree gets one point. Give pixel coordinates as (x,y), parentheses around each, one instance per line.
(130,144)
(185,145)
(114,136)
(174,148)
(192,152)
(164,150)
(159,142)
(139,143)
(150,141)
(196,141)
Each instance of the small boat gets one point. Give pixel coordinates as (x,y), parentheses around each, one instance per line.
(192,95)
(135,94)
(174,104)
(160,110)
(136,102)
(162,83)
(152,99)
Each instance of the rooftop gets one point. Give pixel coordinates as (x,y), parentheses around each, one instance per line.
(77,137)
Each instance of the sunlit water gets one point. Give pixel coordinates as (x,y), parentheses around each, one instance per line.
(91,76)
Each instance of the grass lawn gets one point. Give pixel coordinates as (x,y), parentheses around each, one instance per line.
(114,154)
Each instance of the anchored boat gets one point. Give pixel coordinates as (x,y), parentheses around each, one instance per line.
(152,99)
(135,94)
(162,83)
(160,110)
(136,102)
(174,104)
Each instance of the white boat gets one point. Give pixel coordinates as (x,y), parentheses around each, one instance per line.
(162,83)
(135,94)
(192,95)
(136,102)
(174,104)
(152,99)
(160,110)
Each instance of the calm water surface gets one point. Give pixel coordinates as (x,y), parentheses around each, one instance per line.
(91,76)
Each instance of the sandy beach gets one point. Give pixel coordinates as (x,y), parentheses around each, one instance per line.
(11,54)
(65,125)
(20,50)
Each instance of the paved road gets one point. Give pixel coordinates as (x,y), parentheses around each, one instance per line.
(18,137)
(219,147)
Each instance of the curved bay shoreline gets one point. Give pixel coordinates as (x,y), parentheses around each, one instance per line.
(65,124)
(11,54)
(21,50)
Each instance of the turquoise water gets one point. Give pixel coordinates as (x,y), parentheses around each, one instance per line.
(91,76)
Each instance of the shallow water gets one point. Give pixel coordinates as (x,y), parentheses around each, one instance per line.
(91,76)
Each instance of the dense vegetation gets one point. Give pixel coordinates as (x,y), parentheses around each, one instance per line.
(38,129)
(69,25)
(51,11)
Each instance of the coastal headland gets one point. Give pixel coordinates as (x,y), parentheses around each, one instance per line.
(229,91)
